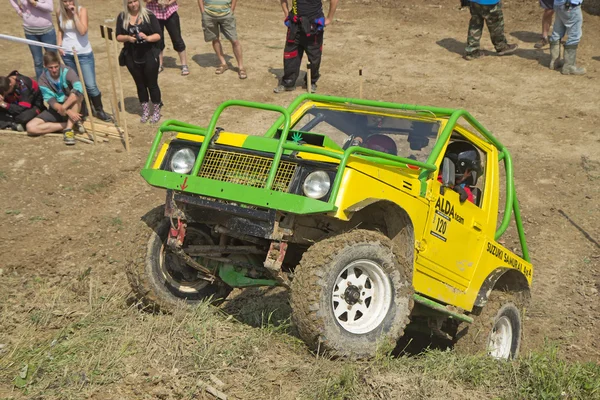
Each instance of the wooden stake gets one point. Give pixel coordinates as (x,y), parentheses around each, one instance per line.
(308,79)
(77,136)
(360,83)
(122,98)
(85,95)
(113,98)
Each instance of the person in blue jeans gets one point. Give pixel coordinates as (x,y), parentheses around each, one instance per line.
(37,23)
(73,33)
(568,21)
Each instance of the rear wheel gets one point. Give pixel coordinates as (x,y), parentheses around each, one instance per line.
(351,293)
(159,278)
(498,329)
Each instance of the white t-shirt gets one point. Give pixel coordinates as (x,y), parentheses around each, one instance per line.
(72,38)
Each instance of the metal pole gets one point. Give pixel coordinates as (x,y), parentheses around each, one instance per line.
(115,104)
(123,114)
(85,95)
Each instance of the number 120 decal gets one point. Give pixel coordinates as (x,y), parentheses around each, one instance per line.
(439,226)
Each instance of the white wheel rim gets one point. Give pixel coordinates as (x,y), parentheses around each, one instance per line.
(361,296)
(188,287)
(184,287)
(501,339)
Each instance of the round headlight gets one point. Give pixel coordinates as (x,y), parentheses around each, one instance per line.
(183,161)
(316,184)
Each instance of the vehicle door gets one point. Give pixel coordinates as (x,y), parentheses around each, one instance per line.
(454,237)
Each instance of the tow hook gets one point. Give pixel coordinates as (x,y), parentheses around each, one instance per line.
(176,234)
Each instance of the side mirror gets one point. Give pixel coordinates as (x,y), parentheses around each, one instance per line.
(448,170)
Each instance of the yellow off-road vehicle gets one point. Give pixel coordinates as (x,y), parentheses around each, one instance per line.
(375,215)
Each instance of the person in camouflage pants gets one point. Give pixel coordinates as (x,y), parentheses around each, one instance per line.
(490,13)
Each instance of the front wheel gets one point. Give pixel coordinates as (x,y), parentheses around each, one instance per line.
(159,278)
(351,293)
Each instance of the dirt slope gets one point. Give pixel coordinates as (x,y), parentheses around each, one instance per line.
(68,214)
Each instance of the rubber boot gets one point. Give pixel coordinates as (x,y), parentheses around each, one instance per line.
(554,54)
(145,112)
(570,58)
(97,103)
(156,113)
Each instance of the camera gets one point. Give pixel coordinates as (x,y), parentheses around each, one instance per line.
(136,32)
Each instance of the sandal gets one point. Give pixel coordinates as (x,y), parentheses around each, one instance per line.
(242,73)
(221,68)
(185,70)
(160,69)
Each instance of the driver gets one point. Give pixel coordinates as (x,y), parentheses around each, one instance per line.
(381,143)
(467,162)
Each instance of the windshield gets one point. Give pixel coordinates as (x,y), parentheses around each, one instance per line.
(398,135)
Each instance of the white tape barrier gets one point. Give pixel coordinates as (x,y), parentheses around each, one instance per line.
(34,43)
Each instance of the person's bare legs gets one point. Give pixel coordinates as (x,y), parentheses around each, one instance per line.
(182,58)
(38,126)
(160,60)
(219,51)
(237,51)
(546,23)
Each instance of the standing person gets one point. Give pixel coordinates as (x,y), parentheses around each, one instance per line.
(490,13)
(37,23)
(166,13)
(569,21)
(139,30)
(548,7)
(63,92)
(20,101)
(218,15)
(306,22)
(73,33)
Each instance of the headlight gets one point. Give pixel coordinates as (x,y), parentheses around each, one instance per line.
(183,161)
(316,184)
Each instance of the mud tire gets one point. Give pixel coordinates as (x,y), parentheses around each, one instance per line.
(147,278)
(315,281)
(475,338)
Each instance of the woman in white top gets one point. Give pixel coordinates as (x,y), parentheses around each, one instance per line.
(73,33)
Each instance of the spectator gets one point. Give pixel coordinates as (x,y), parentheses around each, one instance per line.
(73,33)
(166,13)
(37,23)
(139,30)
(63,92)
(548,7)
(20,101)
(569,21)
(490,13)
(219,15)
(305,23)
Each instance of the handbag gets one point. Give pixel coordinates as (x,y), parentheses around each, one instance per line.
(122,56)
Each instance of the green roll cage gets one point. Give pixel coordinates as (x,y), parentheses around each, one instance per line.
(168,179)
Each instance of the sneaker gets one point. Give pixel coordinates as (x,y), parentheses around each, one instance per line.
(473,56)
(281,89)
(508,49)
(69,137)
(542,43)
(17,127)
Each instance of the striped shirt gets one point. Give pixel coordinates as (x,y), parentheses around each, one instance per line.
(217,8)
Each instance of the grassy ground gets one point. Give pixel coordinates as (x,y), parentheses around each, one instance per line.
(103,341)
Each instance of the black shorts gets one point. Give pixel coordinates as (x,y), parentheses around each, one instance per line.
(50,115)
(547,4)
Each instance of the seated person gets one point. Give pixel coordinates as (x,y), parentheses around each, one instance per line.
(381,143)
(20,101)
(63,92)
(467,163)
